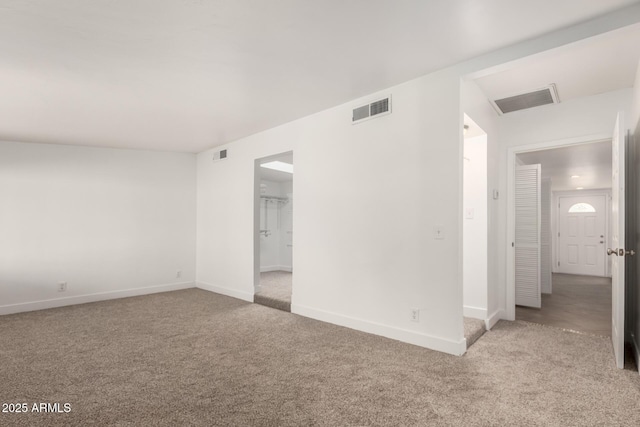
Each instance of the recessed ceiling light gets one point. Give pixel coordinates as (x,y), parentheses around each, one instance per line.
(579,188)
(575,176)
(278,166)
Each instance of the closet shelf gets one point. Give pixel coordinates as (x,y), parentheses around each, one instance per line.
(275,199)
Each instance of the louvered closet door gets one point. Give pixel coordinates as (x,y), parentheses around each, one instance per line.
(527,244)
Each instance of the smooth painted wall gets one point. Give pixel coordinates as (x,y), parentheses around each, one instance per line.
(475,246)
(474,103)
(366,205)
(108,222)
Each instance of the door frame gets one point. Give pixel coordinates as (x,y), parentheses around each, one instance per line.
(555,228)
(256,215)
(512,152)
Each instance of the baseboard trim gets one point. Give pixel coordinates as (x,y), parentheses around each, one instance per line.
(245,296)
(412,337)
(275,268)
(636,350)
(87,298)
(474,312)
(493,319)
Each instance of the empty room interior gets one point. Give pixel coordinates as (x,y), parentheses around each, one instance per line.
(462,250)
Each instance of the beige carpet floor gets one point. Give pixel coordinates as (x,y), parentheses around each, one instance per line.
(275,290)
(197,358)
(473,330)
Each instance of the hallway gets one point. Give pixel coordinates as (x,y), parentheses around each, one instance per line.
(579,303)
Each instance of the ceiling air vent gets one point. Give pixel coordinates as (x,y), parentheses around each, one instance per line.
(219,155)
(536,98)
(377,108)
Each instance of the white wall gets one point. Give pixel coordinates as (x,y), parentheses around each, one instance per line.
(286,227)
(475,105)
(475,258)
(366,205)
(108,222)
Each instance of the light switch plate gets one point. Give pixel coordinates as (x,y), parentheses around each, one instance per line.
(438,232)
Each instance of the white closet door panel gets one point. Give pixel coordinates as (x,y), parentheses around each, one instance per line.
(527,242)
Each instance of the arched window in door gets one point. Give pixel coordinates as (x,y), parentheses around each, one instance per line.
(581,208)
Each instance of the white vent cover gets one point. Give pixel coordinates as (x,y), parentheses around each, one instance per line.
(219,155)
(544,96)
(377,108)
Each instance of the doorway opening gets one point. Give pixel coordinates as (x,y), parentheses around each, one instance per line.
(474,231)
(273,275)
(562,232)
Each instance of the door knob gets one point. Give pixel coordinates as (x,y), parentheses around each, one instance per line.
(620,252)
(601,241)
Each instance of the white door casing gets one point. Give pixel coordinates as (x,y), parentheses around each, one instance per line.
(527,235)
(617,251)
(582,235)
(545,238)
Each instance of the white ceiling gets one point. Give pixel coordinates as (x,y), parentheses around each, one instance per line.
(591,162)
(596,65)
(188,75)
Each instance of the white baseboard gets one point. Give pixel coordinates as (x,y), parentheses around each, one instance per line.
(412,337)
(99,296)
(243,295)
(493,319)
(276,268)
(636,350)
(474,312)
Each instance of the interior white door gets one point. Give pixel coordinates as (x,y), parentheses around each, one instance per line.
(527,238)
(617,252)
(581,235)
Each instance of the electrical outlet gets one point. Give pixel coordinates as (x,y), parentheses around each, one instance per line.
(415,315)
(62,286)
(179,273)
